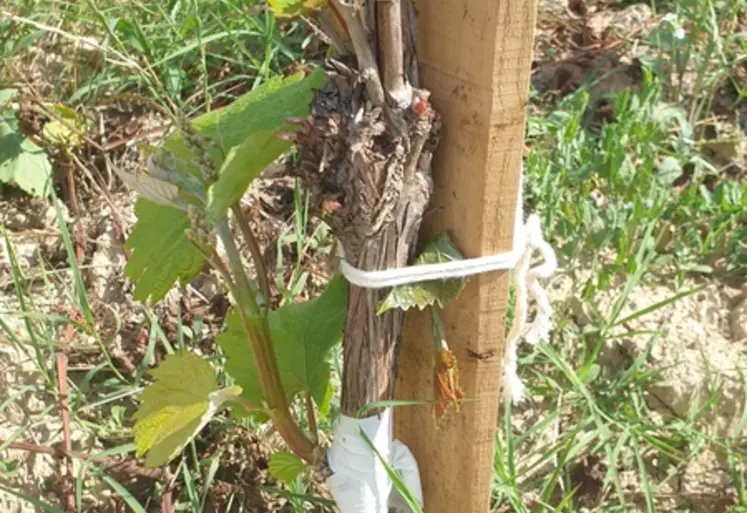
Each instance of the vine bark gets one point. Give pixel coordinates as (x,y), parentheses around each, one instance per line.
(367,165)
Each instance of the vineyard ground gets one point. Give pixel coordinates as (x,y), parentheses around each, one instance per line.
(636,162)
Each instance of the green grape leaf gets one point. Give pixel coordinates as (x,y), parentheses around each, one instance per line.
(285,466)
(302,335)
(257,116)
(163,182)
(182,400)
(148,187)
(22,163)
(242,165)
(294,8)
(240,360)
(326,401)
(266,108)
(240,133)
(428,293)
(162,254)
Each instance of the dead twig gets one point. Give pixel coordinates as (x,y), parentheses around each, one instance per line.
(167,501)
(120,469)
(389,13)
(119,226)
(65,412)
(55,451)
(121,59)
(323,24)
(366,60)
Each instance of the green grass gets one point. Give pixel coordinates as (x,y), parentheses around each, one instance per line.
(650,228)
(594,427)
(196,55)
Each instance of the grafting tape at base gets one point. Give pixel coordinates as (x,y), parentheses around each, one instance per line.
(360,483)
(405,463)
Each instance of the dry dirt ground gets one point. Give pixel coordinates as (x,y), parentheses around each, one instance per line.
(701,354)
(705,344)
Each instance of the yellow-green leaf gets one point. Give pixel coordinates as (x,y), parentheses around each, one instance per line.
(294,8)
(68,130)
(7,96)
(180,402)
(285,466)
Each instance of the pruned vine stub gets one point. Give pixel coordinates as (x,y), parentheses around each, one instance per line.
(368,169)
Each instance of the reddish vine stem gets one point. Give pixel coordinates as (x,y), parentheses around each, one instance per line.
(258,333)
(260,344)
(100,186)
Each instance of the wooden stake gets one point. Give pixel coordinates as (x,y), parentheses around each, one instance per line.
(475,58)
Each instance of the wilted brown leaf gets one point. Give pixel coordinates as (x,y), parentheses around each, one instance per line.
(446,386)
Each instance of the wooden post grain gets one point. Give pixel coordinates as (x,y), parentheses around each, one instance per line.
(475,58)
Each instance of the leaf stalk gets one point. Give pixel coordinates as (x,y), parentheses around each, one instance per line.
(251,242)
(258,331)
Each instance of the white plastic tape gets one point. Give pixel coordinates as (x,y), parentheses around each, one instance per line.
(405,463)
(360,483)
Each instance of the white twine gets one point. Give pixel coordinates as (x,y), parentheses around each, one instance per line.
(526,284)
(445,270)
(360,484)
(527,239)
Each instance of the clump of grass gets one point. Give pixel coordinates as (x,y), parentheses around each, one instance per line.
(204,54)
(598,193)
(629,203)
